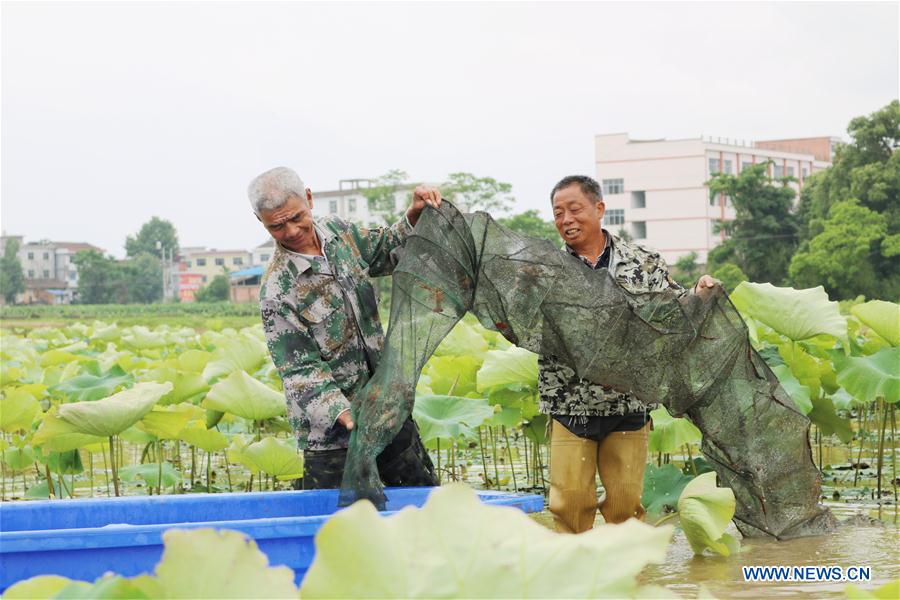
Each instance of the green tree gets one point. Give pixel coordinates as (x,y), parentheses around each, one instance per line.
(730,275)
(381,196)
(530,223)
(473,193)
(763,235)
(839,258)
(100,279)
(687,271)
(143,278)
(216,290)
(153,231)
(12,279)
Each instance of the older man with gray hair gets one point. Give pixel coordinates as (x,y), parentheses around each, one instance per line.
(320,315)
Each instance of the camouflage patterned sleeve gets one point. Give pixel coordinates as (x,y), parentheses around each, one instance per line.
(661,279)
(376,244)
(311,393)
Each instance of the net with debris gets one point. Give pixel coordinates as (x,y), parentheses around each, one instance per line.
(689,354)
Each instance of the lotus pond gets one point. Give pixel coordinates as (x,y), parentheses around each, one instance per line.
(98,408)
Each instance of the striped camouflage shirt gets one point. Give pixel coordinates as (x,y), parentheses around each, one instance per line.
(637,269)
(321,322)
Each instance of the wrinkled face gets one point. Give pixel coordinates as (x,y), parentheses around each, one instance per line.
(577,217)
(292,224)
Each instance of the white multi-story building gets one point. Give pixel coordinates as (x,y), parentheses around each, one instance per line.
(656,189)
(50,275)
(349,203)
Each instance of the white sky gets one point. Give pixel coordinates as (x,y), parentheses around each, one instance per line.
(115,112)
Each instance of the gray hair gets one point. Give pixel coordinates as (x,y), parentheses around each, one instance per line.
(273,188)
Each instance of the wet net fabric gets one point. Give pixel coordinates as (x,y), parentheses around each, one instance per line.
(689,354)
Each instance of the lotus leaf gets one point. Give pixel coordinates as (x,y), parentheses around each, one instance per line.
(881,317)
(705,512)
(187,386)
(799,393)
(19,459)
(18,408)
(796,314)
(536,429)
(167,422)
(463,340)
(57,435)
(88,386)
(65,463)
(669,433)
(149,472)
(457,547)
(241,395)
(239,353)
(452,374)
(142,338)
(272,457)
(114,414)
(662,488)
(888,591)
(511,367)
(193,361)
(449,417)
(38,588)
(57,357)
(867,378)
(828,421)
(42,490)
(205,439)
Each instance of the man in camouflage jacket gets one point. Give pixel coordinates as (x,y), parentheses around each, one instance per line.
(320,317)
(595,430)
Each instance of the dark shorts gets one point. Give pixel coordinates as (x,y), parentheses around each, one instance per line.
(403,463)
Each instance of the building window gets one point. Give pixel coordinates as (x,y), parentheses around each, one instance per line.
(73,276)
(46,256)
(613,186)
(201,262)
(220,262)
(30,273)
(803,172)
(237,260)
(332,206)
(639,230)
(614,216)
(263,257)
(31,256)
(728,167)
(351,205)
(638,200)
(713,166)
(728,202)
(779,172)
(188,263)
(46,274)
(790,171)
(204,279)
(745,165)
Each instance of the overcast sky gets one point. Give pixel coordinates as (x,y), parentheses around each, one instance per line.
(115,112)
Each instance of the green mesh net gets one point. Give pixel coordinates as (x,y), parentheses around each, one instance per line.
(689,354)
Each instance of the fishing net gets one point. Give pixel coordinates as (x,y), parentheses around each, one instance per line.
(689,354)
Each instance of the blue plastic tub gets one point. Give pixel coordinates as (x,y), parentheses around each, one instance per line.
(83,539)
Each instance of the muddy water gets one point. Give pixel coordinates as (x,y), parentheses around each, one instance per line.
(683,574)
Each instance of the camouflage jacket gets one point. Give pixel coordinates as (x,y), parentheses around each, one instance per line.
(637,269)
(322,326)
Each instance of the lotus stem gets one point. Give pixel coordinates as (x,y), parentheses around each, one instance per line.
(527,464)
(208,461)
(112,461)
(512,467)
(227,471)
(483,457)
(105,470)
(63,486)
(894,452)
(440,477)
(494,454)
(691,459)
(668,517)
(862,441)
(159,469)
(50,490)
(881,444)
(91,467)
(193,465)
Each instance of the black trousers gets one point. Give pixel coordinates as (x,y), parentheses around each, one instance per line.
(403,463)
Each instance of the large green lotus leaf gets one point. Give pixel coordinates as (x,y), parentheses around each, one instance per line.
(167,422)
(186,385)
(205,439)
(193,360)
(797,314)
(881,317)
(463,340)
(142,338)
(825,417)
(105,332)
(57,435)
(41,587)
(449,417)
(42,490)
(867,378)
(238,353)
(662,488)
(206,563)
(235,453)
(803,365)
(150,472)
(66,463)
(513,367)
(93,387)
(241,395)
(452,374)
(18,408)
(114,414)
(58,357)
(135,435)
(669,434)
(536,429)
(19,459)
(506,416)
(888,591)
(275,458)
(799,393)
(705,511)
(457,547)
(842,400)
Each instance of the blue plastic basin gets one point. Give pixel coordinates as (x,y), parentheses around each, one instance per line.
(82,539)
